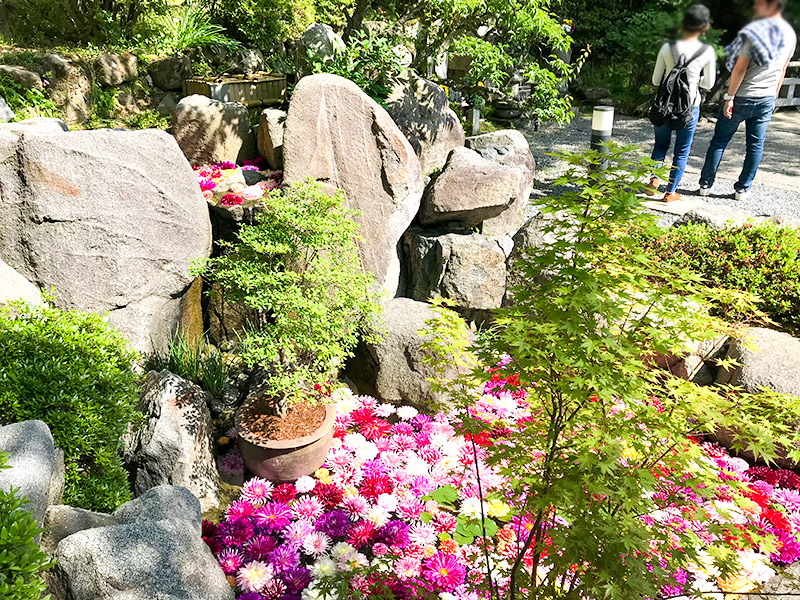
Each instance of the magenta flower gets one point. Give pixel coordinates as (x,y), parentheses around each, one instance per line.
(283,558)
(230,560)
(296,578)
(231,200)
(787,548)
(238,509)
(256,490)
(443,571)
(273,516)
(394,533)
(235,533)
(296,532)
(284,492)
(333,524)
(206,184)
(307,508)
(260,546)
(225,164)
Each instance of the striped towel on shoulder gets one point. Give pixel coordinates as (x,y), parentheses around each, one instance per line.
(767,41)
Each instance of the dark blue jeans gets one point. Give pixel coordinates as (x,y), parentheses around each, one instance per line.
(756,114)
(683,145)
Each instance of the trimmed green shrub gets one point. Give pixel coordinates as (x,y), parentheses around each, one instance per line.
(21,561)
(70,370)
(760,259)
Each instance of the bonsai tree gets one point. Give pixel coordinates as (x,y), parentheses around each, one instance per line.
(298,270)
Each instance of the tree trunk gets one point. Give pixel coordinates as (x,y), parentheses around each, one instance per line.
(356,20)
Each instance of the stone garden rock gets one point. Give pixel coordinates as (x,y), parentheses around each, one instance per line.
(40,124)
(167,104)
(70,86)
(507,147)
(120,243)
(115,69)
(147,560)
(773,362)
(169,73)
(318,43)
(467,268)
(250,60)
(163,502)
(23,77)
(6,114)
(393,369)
(173,446)
(210,131)
(34,463)
(469,190)
(62,521)
(270,136)
(14,286)
(339,135)
(422,112)
(716,216)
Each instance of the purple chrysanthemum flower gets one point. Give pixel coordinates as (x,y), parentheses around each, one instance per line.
(296,578)
(394,533)
(787,549)
(236,532)
(284,557)
(273,516)
(295,533)
(419,421)
(260,546)
(373,466)
(206,184)
(250,596)
(230,560)
(334,524)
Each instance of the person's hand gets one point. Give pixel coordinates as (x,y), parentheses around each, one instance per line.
(727,108)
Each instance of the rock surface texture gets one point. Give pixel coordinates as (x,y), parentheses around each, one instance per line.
(62,521)
(337,134)
(170,73)
(270,136)
(115,69)
(23,77)
(422,112)
(773,362)
(118,243)
(173,446)
(469,190)
(210,131)
(319,43)
(14,286)
(70,86)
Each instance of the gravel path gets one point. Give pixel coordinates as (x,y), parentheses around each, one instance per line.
(776,190)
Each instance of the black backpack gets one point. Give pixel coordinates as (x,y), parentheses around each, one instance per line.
(673,103)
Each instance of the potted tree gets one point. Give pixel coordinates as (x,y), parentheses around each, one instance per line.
(297,270)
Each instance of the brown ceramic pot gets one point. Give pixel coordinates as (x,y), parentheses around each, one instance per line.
(286,460)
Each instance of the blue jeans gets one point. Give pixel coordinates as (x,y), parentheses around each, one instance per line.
(683,145)
(756,114)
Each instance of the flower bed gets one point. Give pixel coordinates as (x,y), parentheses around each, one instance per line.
(226,184)
(396,510)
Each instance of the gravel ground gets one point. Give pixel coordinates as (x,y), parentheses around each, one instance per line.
(776,190)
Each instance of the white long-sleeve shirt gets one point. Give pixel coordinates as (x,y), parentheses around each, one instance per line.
(702,72)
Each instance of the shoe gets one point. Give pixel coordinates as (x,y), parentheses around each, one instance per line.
(705,190)
(741,195)
(671,197)
(651,188)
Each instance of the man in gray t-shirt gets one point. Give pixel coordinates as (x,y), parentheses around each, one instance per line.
(757,58)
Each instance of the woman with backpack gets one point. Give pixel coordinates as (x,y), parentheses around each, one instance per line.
(682,68)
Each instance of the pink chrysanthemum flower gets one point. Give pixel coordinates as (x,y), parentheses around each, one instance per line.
(789,499)
(296,532)
(257,491)
(423,534)
(307,508)
(305,484)
(229,560)
(239,509)
(356,506)
(273,516)
(254,576)
(206,184)
(260,546)
(407,567)
(403,442)
(232,463)
(316,544)
(444,571)
(231,200)
(410,509)
(274,589)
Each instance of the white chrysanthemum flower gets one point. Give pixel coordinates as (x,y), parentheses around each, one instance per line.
(353,441)
(365,453)
(387,502)
(378,516)
(352,561)
(340,549)
(471,507)
(384,410)
(323,567)
(316,543)
(305,484)
(416,466)
(407,412)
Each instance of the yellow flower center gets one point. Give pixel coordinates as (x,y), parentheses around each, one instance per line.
(443,572)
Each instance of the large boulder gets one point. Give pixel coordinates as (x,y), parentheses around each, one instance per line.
(14,286)
(163,502)
(146,560)
(715,216)
(210,131)
(422,112)
(61,521)
(467,268)
(318,43)
(35,470)
(394,369)
(469,190)
(21,76)
(767,359)
(115,69)
(270,136)
(169,73)
(40,124)
(6,114)
(507,147)
(111,219)
(173,445)
(337,134)
(70,86)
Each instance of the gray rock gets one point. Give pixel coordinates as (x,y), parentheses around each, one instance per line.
(114,69)
(469,190)
(173,445)
(339,135)
(250,60)
(33,462)
(596,94)
(785,221)
(148,560)
(422,112)
(210,131)
(70,86)
(319,43)
(469,269)
(14,286)
(167,104)
(40,124)
(120,244)
(715,216)
(163,502)
(62,521)
(23,77)
(507,147)
(6,114)
(394,369)
(170,73)
(270,136)
(772,362)
(784,584)
(538,233)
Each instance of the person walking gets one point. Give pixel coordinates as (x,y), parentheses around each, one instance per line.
(757,60)
(699,62)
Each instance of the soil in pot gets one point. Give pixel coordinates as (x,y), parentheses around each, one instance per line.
(302,419)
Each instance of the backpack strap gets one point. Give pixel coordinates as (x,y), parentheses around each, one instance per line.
(699,53)
(673,46)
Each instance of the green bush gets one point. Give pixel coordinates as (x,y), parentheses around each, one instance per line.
(188,26)
(199,363)
(73,372)
(263,23)
(26,102)
(299,270)
(761,259)
(21,561)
